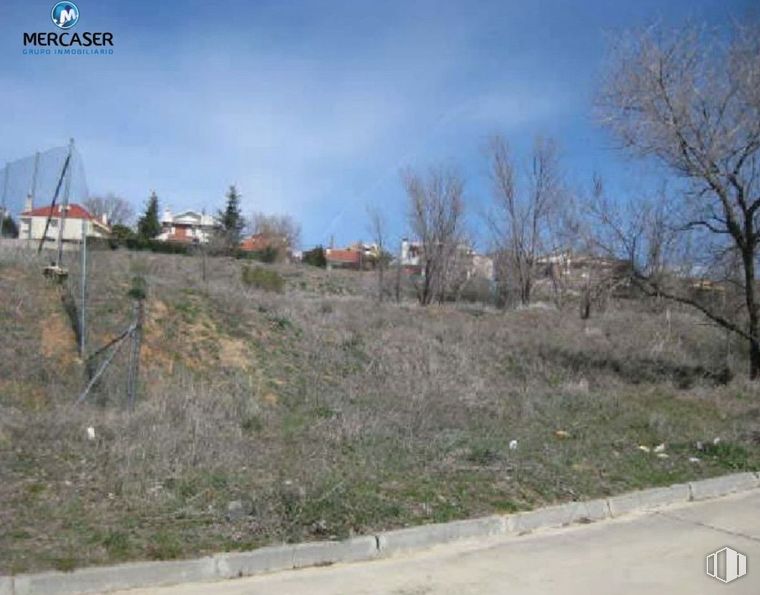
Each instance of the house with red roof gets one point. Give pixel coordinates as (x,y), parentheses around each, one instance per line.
(348,258)
(76,218)
(277,246)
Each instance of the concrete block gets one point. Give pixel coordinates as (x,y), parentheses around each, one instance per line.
(6,585)
(330,552)
(391,542)
(265,559)
(557,516)
(719,486)
(647,499)
(123,576)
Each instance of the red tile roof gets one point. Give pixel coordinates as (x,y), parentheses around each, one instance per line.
(262,241)
(74,211)
(344,256)
(256,243)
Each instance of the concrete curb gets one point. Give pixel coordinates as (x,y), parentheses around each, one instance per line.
(265,559)
(110,578)
(6,585)
(287,557)
(648,499)
(720,486)
(558,516)
(390,542)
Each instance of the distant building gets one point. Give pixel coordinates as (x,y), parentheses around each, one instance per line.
(32,223)
(358,256)
(349,258)
(190,227)
(481,266)
(370,252)
(262,242)
(579,266)
(466,260)
(411,253)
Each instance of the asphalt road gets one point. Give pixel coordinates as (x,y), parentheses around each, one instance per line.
(661,552)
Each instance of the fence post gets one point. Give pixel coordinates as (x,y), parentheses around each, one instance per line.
(134,358)
(83,318)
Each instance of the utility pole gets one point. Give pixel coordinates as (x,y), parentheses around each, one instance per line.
(32,191)
(133,374)
(5,196)
(65,204)
(83,321)
(203,259)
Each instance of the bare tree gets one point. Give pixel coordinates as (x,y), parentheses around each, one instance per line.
(378,231)
(626,239)
(116,209)
(281,231)
(690,100)
(283,226)
(520,222)
(436,218)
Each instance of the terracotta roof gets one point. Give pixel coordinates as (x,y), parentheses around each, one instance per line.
(261,241)
(347,256)
(255,243)
(74,211)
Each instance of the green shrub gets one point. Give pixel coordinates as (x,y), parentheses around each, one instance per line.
(262,278)
(479,290)
(268,255)
(165,546)
(139,288)
(8,227)
(122,233)
(315,257)
(137,243)
(134,242)
(117,544)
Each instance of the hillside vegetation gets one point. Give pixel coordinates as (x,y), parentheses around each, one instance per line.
(288,404)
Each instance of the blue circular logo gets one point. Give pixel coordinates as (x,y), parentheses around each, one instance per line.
(65,15)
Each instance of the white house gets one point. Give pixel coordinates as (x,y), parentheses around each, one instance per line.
(32,223)
(188,226)
(472,263)
(410,253)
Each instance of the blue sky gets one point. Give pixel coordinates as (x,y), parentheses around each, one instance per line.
(312,107)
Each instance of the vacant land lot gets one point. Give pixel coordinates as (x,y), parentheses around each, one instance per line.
(321,413)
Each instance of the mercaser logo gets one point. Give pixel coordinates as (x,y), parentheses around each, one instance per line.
(726,565)
(65,15)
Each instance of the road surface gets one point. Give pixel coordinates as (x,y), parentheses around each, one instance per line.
(660,552)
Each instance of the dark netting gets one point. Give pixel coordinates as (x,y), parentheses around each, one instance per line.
(18,180)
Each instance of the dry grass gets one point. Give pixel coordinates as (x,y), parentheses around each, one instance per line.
(327,414)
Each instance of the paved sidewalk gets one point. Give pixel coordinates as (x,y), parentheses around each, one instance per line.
(658,552)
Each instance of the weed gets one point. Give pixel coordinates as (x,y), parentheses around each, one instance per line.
(332,413)
(261,278)
(117,544)
(164,546)
(65,563)
(252,423)
(730,456)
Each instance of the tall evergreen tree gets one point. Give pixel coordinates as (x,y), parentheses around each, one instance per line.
(8,227)
(148,227)
(231,221)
